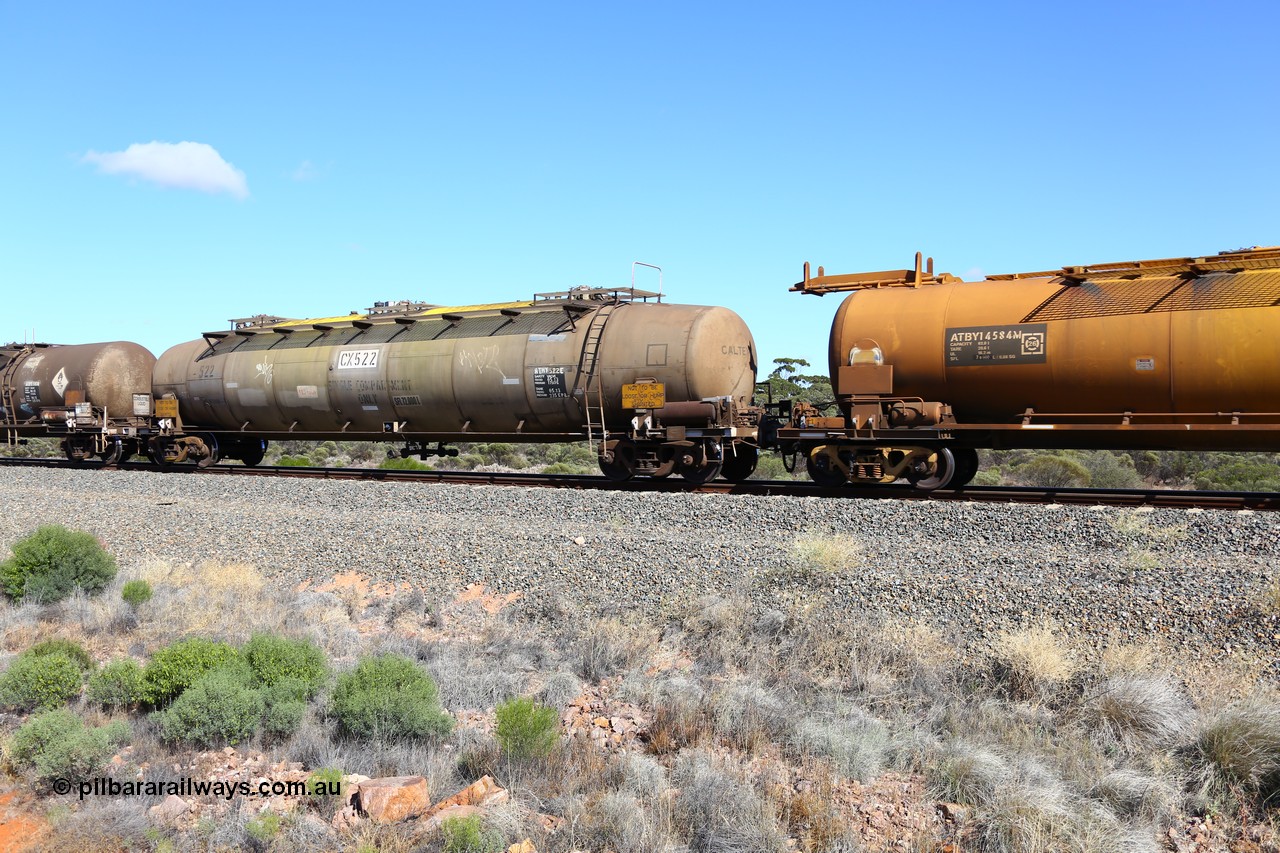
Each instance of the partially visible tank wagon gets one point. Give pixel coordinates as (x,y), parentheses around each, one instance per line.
(1179,354)
(95,397)
(657,388)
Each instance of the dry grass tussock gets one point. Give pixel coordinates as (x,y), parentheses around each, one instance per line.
(1137,711)
(209,599)
(814,553)
(1033,663)
(1269,597)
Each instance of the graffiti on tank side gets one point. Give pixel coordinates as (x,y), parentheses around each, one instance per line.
(480,360)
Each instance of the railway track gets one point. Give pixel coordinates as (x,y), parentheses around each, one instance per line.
(1263,501)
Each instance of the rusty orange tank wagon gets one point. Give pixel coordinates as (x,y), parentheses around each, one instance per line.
(1181,353)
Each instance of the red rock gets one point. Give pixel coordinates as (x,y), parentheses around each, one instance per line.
(448,812)
(170,810)
(394,798)
(482,792)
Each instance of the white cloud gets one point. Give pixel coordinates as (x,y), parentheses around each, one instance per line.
(181,165)
(306,171)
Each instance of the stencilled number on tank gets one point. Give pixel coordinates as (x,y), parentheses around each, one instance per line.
(357,358)
(207,372)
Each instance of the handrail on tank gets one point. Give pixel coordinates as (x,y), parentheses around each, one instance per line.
(635,264)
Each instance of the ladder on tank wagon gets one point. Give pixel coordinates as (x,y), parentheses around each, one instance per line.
(587,375)
(9,397)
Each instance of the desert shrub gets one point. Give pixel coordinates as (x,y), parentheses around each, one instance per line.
(468,835)
(274,659)
(118,684)
(40,681)
(70,648)
(176,667)
(526,729)
(58,745)
(564,468)
(48,564)
(1108,470)
(263,827)
(136,593)
(389,696)
(1053,472)
(282,719)
(325,782)
(221,707)
(294,461)
(406,464)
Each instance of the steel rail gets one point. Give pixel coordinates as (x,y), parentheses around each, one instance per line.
(1169,498)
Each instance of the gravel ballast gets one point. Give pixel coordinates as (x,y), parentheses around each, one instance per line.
(1194,579)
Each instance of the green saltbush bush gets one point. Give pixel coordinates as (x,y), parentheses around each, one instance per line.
(58,745)
(222,706)
(275,659)
(281,720)
(136,593)
(469,835)
(40,681)
(389,696)
(48,564)
(118,684)
(398,464)
(70,648)
(176,667)
(527,729)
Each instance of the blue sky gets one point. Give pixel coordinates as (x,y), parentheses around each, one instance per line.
(483,152)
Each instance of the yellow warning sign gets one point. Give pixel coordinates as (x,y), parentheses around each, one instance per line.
(644,395)
(166,407)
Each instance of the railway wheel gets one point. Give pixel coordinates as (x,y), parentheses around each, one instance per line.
(156,453)
(823,472)
(618,462)
(77,448)
(739,463)
(694,466)
(251,454)
(701,475)
(114,454)
(966,466)
(944,470)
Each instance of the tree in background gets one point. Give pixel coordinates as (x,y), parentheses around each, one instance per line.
(787,382)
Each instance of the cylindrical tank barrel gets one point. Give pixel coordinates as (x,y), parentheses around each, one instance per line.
(996,348)
(485,372)
(105,374)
